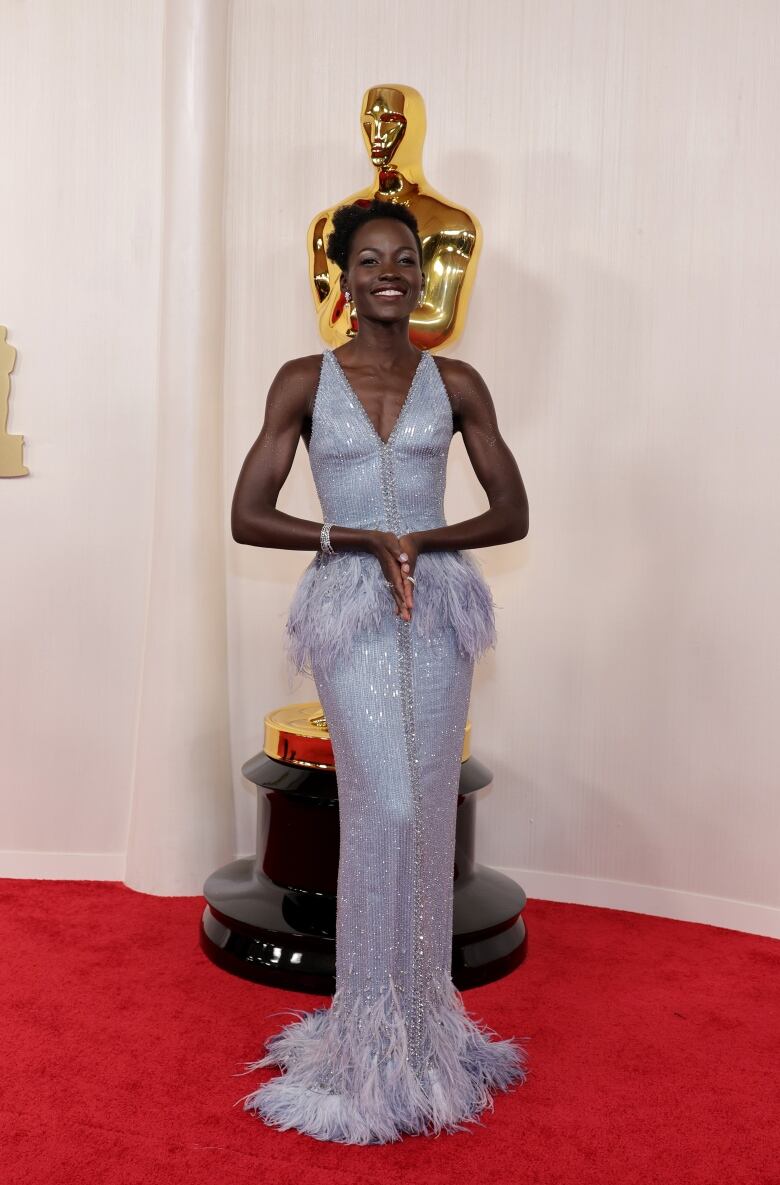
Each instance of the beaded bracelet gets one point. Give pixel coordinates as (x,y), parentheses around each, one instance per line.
(325,544)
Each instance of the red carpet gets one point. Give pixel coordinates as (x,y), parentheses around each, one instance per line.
(654,1053)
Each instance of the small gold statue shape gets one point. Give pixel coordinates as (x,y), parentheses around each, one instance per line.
(10,446)
(393,119)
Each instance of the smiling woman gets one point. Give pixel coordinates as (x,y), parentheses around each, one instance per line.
(389,618)
(405,260)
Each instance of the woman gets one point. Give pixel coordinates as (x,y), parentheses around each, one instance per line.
(388,618)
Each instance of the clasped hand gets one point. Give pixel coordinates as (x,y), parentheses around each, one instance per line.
(397,555)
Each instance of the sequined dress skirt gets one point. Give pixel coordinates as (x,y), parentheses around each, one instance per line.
(396,1051)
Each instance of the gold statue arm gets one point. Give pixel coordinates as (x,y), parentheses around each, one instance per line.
(319,276)
(449,259)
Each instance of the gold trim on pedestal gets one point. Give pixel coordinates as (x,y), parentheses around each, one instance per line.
(298,735)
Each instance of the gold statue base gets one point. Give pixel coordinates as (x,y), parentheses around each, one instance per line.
(11,457)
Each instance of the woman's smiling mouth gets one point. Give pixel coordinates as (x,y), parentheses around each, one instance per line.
(388,293)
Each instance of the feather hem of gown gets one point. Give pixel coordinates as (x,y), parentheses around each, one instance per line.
(342,594)
(347,1075)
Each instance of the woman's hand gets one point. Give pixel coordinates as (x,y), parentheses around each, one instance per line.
(397,557)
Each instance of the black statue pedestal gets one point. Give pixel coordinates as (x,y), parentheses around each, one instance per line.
(271,918)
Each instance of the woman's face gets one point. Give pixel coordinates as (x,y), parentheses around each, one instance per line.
(383,272)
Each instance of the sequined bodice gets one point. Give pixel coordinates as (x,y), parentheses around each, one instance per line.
(394,485)
(353,467)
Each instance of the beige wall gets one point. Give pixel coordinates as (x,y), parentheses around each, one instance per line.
(623,160)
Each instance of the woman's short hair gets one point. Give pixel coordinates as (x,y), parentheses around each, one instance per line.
(348,219)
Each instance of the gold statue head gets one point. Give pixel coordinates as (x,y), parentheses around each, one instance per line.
(393,119)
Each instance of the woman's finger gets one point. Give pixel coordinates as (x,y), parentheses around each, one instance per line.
(401,588)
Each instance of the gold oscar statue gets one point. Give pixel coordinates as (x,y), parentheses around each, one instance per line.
(393,119)
(10,446)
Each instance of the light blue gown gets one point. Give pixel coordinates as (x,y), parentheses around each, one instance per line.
(396,1051)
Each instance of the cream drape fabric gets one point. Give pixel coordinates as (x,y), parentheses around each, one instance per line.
(181,822)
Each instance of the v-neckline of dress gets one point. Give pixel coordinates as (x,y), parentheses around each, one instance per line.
(412,386)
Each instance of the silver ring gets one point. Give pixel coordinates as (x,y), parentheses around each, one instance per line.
(410,578)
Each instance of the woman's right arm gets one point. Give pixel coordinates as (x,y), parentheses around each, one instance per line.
(254,517)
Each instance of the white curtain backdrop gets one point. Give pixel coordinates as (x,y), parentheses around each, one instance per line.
(181,816)
(162,162)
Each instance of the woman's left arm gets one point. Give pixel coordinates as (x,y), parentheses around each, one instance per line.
(494,465)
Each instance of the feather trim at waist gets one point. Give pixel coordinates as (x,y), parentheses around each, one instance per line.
(339,595)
